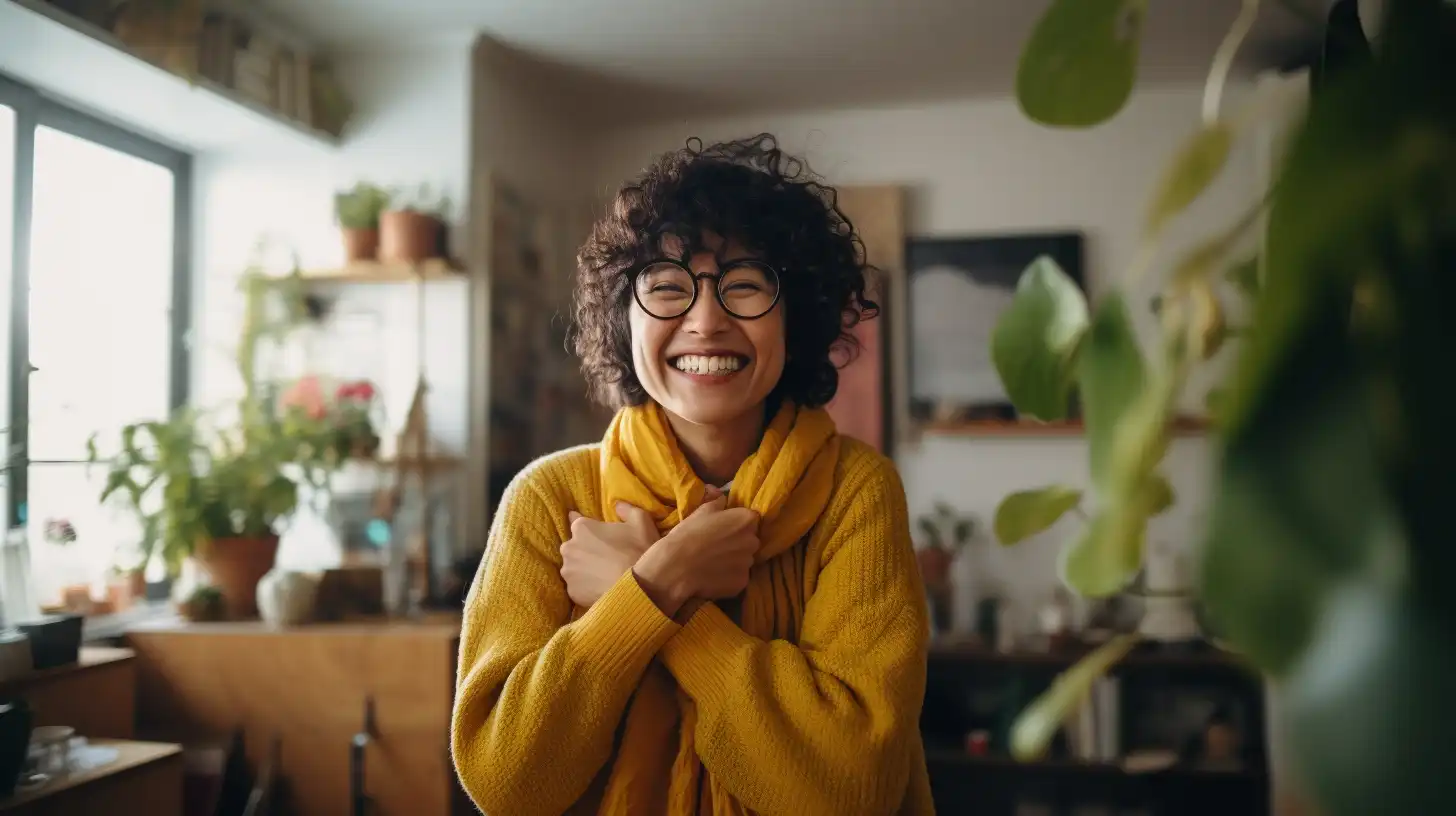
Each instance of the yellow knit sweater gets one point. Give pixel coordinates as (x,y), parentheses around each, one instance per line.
(826,725)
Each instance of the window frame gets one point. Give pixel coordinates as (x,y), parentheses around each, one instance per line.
(34,109)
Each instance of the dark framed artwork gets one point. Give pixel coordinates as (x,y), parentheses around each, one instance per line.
(957,289)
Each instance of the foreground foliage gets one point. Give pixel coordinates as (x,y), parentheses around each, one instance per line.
(1329,543)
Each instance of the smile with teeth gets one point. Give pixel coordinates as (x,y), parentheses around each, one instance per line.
(700,364)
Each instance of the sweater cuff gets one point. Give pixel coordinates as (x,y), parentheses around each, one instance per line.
(699,655)
(623,629)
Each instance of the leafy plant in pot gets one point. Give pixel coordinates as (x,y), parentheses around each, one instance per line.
(357,211)
(412,229)
(215,485)
(1327,551)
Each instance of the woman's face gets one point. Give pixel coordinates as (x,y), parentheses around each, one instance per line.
(708,367)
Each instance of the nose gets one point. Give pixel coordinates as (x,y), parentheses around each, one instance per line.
(707,316)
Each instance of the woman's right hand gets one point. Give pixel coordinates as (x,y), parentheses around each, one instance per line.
(707,555)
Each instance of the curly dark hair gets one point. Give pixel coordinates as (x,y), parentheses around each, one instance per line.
(770,202)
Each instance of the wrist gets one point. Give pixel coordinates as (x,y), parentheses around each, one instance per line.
(666,591)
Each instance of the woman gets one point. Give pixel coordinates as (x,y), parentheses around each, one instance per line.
(716,610)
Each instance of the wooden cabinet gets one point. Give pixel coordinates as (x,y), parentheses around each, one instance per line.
(973,689)
(95,695)
(308,689)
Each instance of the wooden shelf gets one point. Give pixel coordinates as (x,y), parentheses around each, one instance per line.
(950,651)
(1183,426)
(1002,764)
(381,272)
(88,66)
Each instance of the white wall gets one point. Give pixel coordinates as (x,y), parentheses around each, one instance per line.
(412,127)
(976,168)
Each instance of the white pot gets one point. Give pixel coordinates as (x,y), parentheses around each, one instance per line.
(286,597)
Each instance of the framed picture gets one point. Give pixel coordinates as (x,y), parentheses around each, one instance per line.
(957,289)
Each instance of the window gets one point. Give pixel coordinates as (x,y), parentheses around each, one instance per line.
(94,231)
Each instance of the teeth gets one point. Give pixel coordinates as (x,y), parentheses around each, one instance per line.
(700,364)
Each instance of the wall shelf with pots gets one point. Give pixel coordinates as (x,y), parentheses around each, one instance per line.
(1183,426)
(386,272)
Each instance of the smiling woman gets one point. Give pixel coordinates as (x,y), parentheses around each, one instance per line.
(717,609)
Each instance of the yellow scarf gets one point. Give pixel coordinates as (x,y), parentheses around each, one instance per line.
(787,481)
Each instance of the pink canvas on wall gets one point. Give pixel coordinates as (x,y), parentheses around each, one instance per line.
(858,408)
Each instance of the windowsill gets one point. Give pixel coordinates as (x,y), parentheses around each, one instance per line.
(105,627)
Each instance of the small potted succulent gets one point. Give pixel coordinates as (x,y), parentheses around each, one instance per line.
(357,211)
(203,605)
(945,533)
(412,228)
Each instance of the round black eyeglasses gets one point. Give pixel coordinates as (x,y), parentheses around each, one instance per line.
(666,289)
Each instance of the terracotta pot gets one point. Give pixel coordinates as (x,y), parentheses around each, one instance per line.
(236,565)
(406,236)
(361,245)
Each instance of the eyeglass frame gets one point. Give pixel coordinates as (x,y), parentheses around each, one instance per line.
(717,292)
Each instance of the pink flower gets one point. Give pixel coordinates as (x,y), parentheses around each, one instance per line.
(361,390)
(306,395)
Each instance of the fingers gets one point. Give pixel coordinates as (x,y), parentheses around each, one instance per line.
(717,505)
(640,519)
(711,492)
(576,521)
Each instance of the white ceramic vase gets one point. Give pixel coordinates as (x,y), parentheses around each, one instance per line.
(286,597)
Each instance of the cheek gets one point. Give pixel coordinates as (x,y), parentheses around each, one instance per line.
(768,338)
(648,337)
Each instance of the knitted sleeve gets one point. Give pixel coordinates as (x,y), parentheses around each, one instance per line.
(830,725)
(538,699)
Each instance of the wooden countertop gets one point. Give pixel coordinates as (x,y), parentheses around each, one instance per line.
(444,627)
(130,755)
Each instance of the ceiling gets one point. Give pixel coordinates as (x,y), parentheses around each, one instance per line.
(737,54)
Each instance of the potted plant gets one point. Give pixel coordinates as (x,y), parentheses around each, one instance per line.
(215,486)
(1327,547)
(412,228)
(204,493)
(357,211)
(945,534)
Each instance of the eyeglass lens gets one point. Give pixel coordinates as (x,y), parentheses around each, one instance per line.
(746,289)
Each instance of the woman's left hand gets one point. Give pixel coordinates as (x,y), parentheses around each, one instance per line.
(600,552)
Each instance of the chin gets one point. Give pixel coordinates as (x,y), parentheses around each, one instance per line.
(710,415)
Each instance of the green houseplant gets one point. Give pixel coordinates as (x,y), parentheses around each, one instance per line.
(215,485)
(1329,538)
(357,210)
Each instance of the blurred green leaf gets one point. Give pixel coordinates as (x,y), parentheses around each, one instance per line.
(1105,558)
(1299,506)
(1034,345)
(1198,162)
(1039,723)
(1027,512)
(1380,665)
(1366,141)
(1080,64)
(1111,374)
(1160,495)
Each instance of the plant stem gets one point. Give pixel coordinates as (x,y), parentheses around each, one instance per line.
(1223,60)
